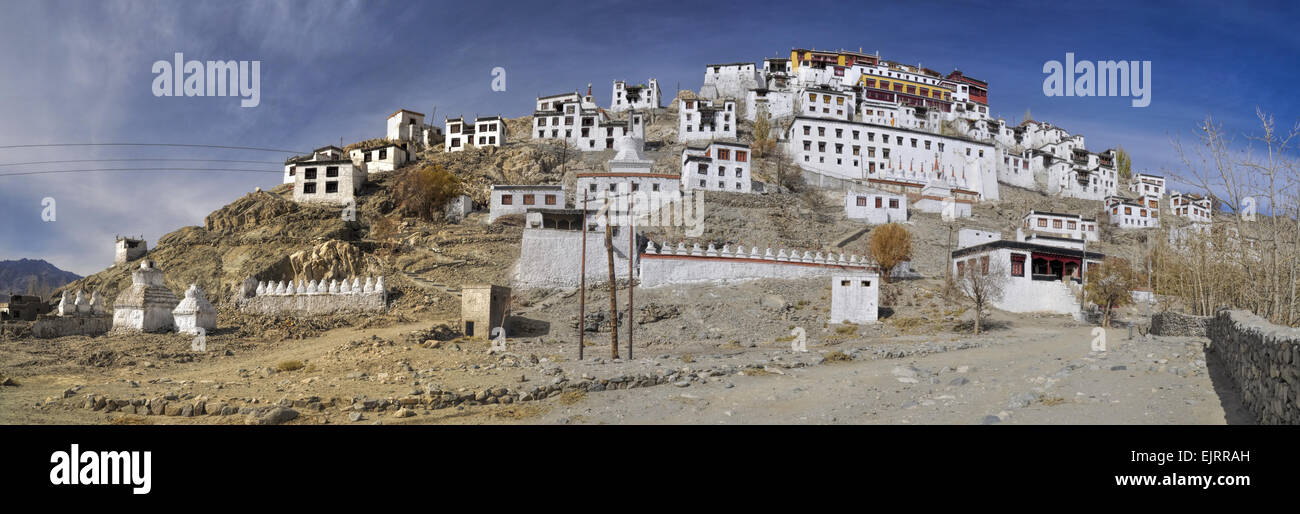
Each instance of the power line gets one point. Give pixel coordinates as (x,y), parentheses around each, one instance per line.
(140,159)
(88,170)
(179,145)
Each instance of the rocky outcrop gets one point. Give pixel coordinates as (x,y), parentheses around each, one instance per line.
(331,260)
(250,210)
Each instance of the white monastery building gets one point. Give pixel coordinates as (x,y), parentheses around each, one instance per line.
(1191,206)
(703,120)
(578,121)
(330,180)
(485,131)
(717,166)
(641,97)
(876,207)
(1128,214)
(517,199)
(1072,226)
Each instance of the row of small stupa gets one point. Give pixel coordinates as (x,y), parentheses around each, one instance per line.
(282,288)
(739,252)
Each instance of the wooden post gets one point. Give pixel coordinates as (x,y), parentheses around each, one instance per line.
(613,287)
(631,269)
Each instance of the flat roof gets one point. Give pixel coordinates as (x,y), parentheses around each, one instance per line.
(399,111)
(517,187)
(1026,246)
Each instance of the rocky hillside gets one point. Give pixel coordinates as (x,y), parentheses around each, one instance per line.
(31,276)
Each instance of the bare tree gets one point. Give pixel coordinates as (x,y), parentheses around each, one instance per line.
(1108,286)
(981,283)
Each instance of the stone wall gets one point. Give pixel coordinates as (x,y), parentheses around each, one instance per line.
(1263,360)
(74,325)
(1178,324)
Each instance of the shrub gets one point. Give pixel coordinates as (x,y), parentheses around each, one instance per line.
(890,245)
(289,365)
(422,192)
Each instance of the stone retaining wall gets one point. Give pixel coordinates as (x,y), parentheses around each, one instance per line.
(1263,359)
(1178,324)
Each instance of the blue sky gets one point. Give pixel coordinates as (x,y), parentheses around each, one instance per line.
(80,72)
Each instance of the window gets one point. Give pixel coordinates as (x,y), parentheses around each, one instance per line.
(739,173)
(893,203)
(724,154)
(383,154)
(507,199)
(866,283)
(878,201)
(309,188)
(862,201)
(331,171)
(1056,223)
(741,156)
(309,174)
(332,186)
(703,169)
(1017,265)
(550,199)
(529,199)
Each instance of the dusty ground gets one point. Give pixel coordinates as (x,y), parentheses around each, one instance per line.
(920,365)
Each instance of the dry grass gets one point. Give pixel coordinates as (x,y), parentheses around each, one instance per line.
(289,365)
(130,419)
(519,412)
(1053,401)
(572,397)
(847,329)
(688,358)
(838,356)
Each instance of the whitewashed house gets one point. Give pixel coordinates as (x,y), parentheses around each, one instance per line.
(776,103)
(730,80)
(1131,214)
(875,207)
(1191,206)
(1067,225)
(383,157)
(485,131)
(827,103)
(1038,277)
(408,126)
(323,153)
(577,120)
(1146,184)
(640,97)
(971,237)
(703,120)
(717,166)
(331,181)
(517,199)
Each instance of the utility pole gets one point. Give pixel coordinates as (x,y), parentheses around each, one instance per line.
(613,287)
(631,269)
(582,281)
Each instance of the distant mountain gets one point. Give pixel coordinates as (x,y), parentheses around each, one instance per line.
(28,276)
